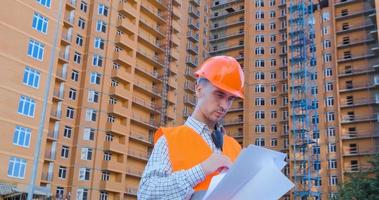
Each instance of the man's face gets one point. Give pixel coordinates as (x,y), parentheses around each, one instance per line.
(214,103)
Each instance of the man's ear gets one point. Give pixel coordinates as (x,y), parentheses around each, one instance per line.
(199,89)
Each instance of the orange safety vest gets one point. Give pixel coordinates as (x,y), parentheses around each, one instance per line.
(187,149)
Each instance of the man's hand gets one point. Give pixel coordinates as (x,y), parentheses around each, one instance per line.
(215,162)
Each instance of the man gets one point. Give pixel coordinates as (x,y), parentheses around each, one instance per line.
(185,158)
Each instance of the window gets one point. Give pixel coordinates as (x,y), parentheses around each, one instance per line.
(259,38)
(273,88)
(36,50)
(72,94)
(65,151)
(107,155)
(259,3)
(95,78)
(26,106)
(84,174)
(259,128)
(330,116)
(273,101)
(327,57)
(83,6)
(111,118)
(316,165)
(45,3)
(272,38)
(332,147)
(86,154)
(314,90)
(102,10)
(315,119)
(16,167)
(325,30)
(259,115)
(274,128)
(259,88)
(31,77)
(272,3)
(59,192)
(40,23)
(103,195)
(62,172)
(259,76)
(272,14)
(333,180)
(108,137)
(259,15)
(99,43)
(259,27)
(260,142)
(93,96)
(77,57)
(89,134)
(82,23)
(331,132)
(91,115)
(274,114)
(79,40)
(259,101)
(325,16)
(259,51)
(82,194)
(328,72)
(316,149)
(97,61)
(105,175)
(274,142)
(70,112)
(259,63)
(272,50)
(327,44)
(21,136)
(75,75)
(67,132)
(329,87)
(318,181)
(330,101)
(272,26)
(101,26)
(332,164)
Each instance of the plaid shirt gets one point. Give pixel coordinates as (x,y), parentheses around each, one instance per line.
(158,180)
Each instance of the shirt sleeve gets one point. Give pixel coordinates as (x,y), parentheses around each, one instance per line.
(159,182)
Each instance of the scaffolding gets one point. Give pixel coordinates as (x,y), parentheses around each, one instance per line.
(303,99)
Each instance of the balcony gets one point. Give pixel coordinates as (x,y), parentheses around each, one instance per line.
(53,135)
(193,24)
(120,91)
(69,20)
(66,38)
(356,86)
(192,48)
(356,135)
(361,151)
(367,10)
(123,57)
(176,28)
(147,88)
(357,168)
(153,28)
(56,115)
(226,36)
(121,74)
(113,165)
(125,41)
(228,25)
(114,146)
(338,3)
(47,177)
(71,4)
(150,123)
(57,95)
(126,9)
(112,185)
(233,122)
(144,156)
(194,37)
(351,58)
(61,75)
(151,41)
(149,105)
(227,48)
(141,137)
(153,13)
(359,102)
(148,72)
(118,127)
(131,190)
(127,25)
(195,2)
(230,11)
(64,56)
(134,172)
(189,73)
(189,100)
(224,4)
(236,109)
(189,86)
(360,118)
(192,61)
(119,109)
(365,25)
(50,155)
(153,59)
(192,11)
(353,72)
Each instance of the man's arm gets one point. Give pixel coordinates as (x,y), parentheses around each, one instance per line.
(158,180)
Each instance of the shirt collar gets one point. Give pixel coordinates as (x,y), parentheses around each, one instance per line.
(197,125)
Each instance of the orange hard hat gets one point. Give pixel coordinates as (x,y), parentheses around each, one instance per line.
(224,72)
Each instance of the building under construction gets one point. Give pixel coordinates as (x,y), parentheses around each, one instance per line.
(85,84)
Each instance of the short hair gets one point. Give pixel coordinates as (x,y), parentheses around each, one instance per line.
(201,81)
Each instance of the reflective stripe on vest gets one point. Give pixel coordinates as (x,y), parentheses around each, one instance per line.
(188,149)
